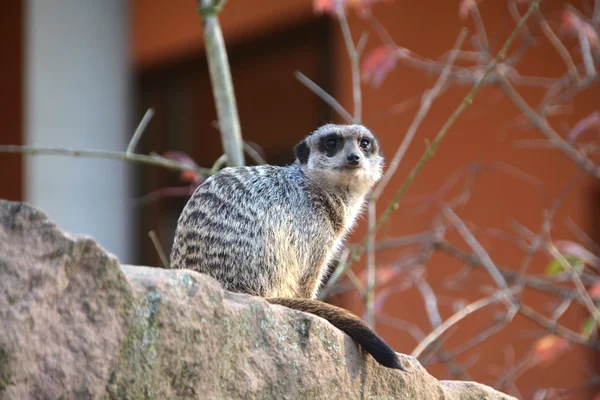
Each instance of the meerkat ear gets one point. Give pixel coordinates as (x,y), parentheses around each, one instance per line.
(302,152)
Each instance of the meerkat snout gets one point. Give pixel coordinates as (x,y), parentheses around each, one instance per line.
(353,161)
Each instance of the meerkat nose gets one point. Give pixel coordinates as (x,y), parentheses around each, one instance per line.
(353,159)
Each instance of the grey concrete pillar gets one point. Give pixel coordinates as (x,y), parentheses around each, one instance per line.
(77,94)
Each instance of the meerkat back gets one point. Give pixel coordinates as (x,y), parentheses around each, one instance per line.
(224,228)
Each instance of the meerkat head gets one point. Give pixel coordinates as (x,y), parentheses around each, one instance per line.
(341,155)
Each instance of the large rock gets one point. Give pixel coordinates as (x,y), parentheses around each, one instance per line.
(74,324)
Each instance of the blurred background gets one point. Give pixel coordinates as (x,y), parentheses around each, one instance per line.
(82,73)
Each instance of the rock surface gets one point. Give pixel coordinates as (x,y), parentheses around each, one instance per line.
(74,324)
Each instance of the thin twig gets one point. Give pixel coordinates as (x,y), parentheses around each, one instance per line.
(323,95)
(554,327)
(254,155)
(113,155)
(536,243)
(480,26)
(514,13)
(362,42)
(222,160)
(457,317)
(581,235)
(558,45)
(412,329)
(480,337)
(139,131)
(159,249)
(370,299)
(218,164)
(583,293)
(431,305)
(542,125)
(586,52)
(562,308)
(354,61)
(423,237)
(477,248)
(356,282)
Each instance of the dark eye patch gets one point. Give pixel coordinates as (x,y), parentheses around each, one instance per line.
(331,144)
(367,145)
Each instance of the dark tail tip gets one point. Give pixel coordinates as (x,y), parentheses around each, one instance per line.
(374,345)
(350,324)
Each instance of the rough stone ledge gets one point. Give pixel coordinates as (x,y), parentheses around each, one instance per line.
(75,324)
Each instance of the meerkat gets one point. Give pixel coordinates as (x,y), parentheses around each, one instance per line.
(272,231)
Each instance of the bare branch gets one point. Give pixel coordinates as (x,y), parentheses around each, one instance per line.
(480,26)
(583,293)
(431,305)
(372,218)
(558,45)
(159,249)
(554,327)
(477,247)
(457,317)
(139,131)
(412,329)
(354,61)
(220,76)
(323,95)
(254,155)
(554,138)
(541,284)
(155,159)
(481,337)
(586,52)
(218,164)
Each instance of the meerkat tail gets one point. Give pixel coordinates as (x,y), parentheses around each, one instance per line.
(347,322)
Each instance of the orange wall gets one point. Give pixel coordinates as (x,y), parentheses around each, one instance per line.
(164,33)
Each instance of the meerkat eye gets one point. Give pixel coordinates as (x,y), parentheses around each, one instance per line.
(365,143)
(330,144)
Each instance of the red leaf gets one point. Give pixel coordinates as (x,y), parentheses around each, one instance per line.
(383,275)
(465,7)
(594,291)
(180,157)
(324,7)
(378,63)
(548,347)
(329,6)
(576,250)
(572,23)
(186,175)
